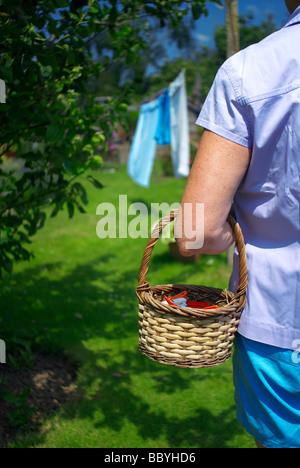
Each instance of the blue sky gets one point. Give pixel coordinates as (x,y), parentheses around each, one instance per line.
(260,9)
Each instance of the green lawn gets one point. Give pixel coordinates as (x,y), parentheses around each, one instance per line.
(78,295)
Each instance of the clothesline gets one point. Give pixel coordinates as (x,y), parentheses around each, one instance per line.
(154,96)
(162,120)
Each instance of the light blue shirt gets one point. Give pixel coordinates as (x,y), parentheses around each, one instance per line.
(255,102)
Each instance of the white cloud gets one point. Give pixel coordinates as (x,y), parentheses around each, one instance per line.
(203,38)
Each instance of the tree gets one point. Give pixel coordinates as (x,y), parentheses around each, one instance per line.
(157,40)
(209,60)
(49,119)
(249,33)
(206,61)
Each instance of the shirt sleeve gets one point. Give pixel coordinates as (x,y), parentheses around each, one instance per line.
(222,112)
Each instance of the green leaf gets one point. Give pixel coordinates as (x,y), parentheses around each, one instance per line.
(42,220)
(94,9)
(62,3)
(4,235)
(95,162)
(70,209)
(79,207)
(9,396)
(58,206)
(54,133)
(81,192)
(95,182)
(197,11)
(68,165)
(46,72)
(7,264)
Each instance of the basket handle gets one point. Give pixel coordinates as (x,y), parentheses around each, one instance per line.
(143,284)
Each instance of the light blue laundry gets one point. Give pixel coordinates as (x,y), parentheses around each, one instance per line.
(153,127)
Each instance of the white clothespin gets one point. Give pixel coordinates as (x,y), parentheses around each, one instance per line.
(181,302)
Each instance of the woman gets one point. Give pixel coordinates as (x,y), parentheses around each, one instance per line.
(250,154)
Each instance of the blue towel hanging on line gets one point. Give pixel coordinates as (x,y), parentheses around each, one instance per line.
(153,127)
(163,129)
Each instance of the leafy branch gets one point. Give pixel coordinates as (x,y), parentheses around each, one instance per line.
(50,120)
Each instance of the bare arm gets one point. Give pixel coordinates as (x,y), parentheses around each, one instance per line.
(218,169)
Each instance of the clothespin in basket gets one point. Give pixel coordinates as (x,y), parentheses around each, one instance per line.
(197,304)
(179,295)
(201,305)
(169,301)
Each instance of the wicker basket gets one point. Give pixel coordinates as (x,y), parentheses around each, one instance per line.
(185,336)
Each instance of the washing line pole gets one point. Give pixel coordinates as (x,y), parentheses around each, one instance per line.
(232,27)
(232,46)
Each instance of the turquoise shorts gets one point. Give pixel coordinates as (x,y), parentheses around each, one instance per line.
(267,392)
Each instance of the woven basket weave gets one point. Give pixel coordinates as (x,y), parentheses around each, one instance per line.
(185,336)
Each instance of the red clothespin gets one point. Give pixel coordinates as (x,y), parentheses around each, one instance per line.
(197,304)
(179,295)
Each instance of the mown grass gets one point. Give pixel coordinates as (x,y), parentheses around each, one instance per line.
(78,296)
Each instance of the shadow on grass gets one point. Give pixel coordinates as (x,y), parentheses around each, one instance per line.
(122,399)
(97,301)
